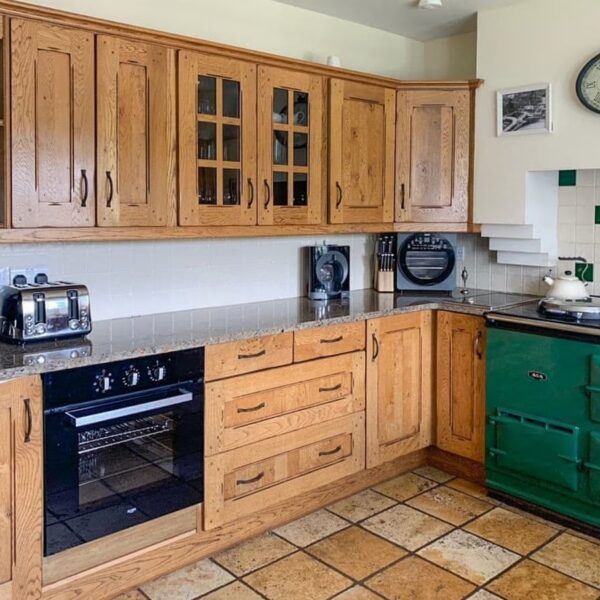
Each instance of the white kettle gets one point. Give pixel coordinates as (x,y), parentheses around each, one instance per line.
(566,287)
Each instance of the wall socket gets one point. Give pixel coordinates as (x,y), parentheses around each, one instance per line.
(29,272)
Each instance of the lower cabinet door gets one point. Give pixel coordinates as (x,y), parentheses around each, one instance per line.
(249,479)
(6,493)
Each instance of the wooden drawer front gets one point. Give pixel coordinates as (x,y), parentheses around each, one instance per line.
(257,406)
(245,356)
(246,480)
(327,341)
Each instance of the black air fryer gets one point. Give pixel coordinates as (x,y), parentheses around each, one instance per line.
(328,269)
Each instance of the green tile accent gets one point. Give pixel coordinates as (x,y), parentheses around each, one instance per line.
(597,215)
(588,275)
(567,178)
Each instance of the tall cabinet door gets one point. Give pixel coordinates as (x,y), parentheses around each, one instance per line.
(361,153)
(217,140)
(52,121)
(461,384)
(399,375)
(135,133)
(290,148)
(433,156)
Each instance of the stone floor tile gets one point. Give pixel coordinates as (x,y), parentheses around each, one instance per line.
(484,595)
(361,505)
(234,591)
(358,592)
(434,473)
(472,488)
(132,595)
(405,486)
(470,557)
(312,528)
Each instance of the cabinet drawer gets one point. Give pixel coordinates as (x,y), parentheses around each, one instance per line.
(258,406)
(327,341)
(246,480)
(245,356)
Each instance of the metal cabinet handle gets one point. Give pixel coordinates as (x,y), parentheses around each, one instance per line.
(268,190)
(29,417)
(252,480)
(331,340)
(252,408)
(402,197)
(85,188)
(111,189)
(330,452)
(251,189)
(340,195)
(255,355)
(375,348)
(330,389)
(477,345)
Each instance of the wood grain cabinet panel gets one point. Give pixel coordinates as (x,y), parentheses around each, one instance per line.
(399,378)
(318,342)
(361,153)
(136,133)
(433,156)
(461,384)
(52,121)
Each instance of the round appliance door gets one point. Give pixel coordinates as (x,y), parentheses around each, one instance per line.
(426,259)
(332,270)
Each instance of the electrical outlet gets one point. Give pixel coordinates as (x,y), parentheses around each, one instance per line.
(29,272)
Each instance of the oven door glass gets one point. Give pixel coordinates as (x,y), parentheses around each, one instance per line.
(117,464)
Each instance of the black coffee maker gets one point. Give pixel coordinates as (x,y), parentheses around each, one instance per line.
(328,270)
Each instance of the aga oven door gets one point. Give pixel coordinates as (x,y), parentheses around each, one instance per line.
(115,463)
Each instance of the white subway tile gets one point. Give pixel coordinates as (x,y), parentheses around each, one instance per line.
(567,196)
(586,177)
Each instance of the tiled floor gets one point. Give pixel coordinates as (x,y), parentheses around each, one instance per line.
(421,536)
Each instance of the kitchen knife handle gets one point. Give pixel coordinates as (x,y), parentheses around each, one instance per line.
(111,189)
(251,190)
(477,345)
(85,188)
(251,480)
(338,187)
(375,348)
(29,420)
(268,190)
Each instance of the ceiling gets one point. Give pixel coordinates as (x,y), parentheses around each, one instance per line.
(403,17)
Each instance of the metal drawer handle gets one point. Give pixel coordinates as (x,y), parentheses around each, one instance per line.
(330,389)
(332,340)
(268,190)
(339,194)
(375,348)
(255,355)
(85,188)
(477,345)
(251,188)
(252,408)
(252,480)
(29,416)
(402,196)
(497,452)
(111,189)
(591,466)
(330,452)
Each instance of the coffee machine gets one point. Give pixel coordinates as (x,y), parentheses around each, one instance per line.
(328,271)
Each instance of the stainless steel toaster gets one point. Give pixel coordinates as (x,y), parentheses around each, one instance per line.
(45,310)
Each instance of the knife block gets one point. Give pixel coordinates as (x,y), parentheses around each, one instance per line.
(384,281)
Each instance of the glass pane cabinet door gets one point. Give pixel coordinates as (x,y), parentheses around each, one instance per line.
(217,108)
(290,137)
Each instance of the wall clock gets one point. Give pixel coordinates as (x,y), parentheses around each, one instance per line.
(588,84)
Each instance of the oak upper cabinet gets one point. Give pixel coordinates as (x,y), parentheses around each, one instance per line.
(433,156)
(20,489)
(291,148)
(52,123)
(217,140)
(136,133)
(399,376)
(461,384)
(361,153)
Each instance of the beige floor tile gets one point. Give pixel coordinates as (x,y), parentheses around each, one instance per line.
(434,473)
(254,554)
(233,591)
(533,517)
(471,488)
(589,538)
(187,583)
(511,530)
(297,577)
(357,593)
(133,595)
(356,552)
(312,528)
(406,526)
(415,579)
(405,486)
(469,556)
(449,505)
(361,505)
(573,556)
(535,582)
(484,595)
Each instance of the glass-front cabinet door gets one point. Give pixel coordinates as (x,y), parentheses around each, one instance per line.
(217,140)
(291,149)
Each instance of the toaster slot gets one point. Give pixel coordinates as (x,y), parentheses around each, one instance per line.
(73,296)
(39,302)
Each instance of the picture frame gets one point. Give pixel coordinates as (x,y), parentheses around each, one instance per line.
(524,110)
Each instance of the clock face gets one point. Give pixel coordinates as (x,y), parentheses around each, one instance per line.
(588,84)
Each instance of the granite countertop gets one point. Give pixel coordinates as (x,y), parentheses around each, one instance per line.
(126,338)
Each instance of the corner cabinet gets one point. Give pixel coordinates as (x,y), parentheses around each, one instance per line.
(399,386)
(433,156)
(461,384)
(21,489)
(291,147)
(361,153)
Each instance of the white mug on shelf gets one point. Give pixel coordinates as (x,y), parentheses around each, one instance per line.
(334,61)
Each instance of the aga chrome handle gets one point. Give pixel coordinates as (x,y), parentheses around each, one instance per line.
(251,192)
(251,480)
(29,420)
(331,389)
(111,189)
(252,408)
(477,345)
(335,340)
(268,192)
(255,355)
(85,188)
(375,348)
(330,452)
(340,195)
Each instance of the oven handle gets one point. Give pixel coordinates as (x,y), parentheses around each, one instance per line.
(127,411)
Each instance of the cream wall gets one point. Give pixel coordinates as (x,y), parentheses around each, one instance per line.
(452,57)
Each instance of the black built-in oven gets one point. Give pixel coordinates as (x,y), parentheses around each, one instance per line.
(123,445)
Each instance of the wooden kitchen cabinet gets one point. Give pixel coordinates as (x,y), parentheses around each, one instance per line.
(291,147)
(20,489)
(52,123)
(399,385)
(361,153)
(461,384)
(136,133)
(217,140)
(433,156)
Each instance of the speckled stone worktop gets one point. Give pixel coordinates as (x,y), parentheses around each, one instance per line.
(125,338)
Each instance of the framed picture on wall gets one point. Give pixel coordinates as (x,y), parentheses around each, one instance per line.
(524,110)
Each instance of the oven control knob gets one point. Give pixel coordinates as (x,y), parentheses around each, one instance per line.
(103,382)
(131,377)
(157,372)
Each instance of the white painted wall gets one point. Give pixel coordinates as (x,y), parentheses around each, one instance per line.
(453,57)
